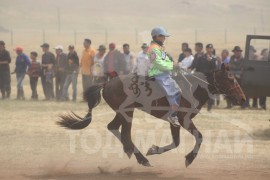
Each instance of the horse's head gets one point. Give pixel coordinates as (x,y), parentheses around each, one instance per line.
(224,82)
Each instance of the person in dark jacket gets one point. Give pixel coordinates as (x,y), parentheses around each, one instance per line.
(47,63)
(236,67)
(206,64)
(5,60)
(236,62)
(22,65)
(114,62)
(60,74)
(71,70)
(199,53)
(34,73)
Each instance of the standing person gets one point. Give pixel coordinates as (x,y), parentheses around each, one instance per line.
(59,70)
(236,66)
(264,57)
(98,67)
(72,71)
(206,64)
(236,61)
(87,61)
(4,71)
(187,61)
(129,58)
(142,63)
(182,54)
(34,72)
(161,68)
(22,65)
(199,53)
(47,63)
(225,59)
(114,62)
(253,56)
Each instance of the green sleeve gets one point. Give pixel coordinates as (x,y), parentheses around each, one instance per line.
(162,65)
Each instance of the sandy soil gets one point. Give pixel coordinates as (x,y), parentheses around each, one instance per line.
(236,144)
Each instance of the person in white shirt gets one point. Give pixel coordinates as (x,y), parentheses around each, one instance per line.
(98,66)
(142,63)
(129,58)
(187,61)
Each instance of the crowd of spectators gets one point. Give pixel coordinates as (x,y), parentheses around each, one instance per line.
(58,70)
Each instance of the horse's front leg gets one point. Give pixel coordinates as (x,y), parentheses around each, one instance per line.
(190,127)
(175,132)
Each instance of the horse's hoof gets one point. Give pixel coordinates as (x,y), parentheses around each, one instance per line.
(187,163)
(147,164)
(129,154)
(189,158)
(152,150)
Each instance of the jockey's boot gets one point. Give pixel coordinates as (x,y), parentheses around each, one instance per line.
(173,119)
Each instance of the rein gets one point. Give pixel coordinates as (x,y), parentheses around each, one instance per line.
(215,84)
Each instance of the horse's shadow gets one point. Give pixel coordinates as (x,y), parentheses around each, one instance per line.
(122,174)
(262,134)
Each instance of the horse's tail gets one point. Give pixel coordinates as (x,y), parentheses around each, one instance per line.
(92,97)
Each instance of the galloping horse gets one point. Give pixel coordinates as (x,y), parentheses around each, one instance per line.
(125,93)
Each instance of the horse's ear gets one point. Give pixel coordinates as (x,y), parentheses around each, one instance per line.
(224,67)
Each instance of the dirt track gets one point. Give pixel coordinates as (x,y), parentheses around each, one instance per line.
(235,145)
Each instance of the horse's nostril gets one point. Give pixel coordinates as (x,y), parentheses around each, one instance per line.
(243,100)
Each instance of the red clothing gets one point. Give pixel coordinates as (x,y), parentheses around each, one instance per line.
(34,69)
(114,63)
(111,62)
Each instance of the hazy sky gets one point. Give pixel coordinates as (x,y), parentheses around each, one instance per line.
(126,14)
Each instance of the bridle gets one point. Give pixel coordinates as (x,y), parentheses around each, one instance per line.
(218,87)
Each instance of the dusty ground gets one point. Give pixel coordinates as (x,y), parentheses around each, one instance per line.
(236,144)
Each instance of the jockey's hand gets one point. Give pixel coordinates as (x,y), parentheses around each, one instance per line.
(170,57)
(175,64)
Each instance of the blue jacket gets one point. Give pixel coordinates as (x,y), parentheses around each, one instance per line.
(22,63)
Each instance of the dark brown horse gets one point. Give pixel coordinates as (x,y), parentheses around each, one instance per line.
(124,94)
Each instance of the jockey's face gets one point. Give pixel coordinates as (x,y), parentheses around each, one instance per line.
(161,38)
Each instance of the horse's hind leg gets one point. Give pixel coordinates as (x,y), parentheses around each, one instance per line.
(125,137)
(175,131)
(190,127)
(114,125)
(129,147)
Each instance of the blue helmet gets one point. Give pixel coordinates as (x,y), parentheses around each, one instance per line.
(159,31)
